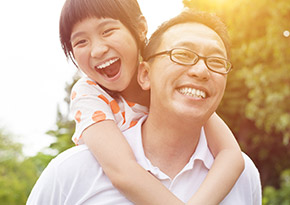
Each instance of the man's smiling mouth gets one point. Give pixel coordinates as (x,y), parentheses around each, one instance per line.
(192,92)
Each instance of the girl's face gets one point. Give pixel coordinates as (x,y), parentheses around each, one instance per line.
(105,51)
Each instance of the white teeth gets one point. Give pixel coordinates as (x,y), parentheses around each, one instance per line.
(198,92)
(106,64)
(192,92)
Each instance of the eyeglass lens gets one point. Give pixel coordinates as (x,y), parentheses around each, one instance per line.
(188,57)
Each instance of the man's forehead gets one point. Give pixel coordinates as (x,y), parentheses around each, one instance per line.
(190,35)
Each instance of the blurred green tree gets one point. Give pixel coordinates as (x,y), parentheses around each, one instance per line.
(17,173)
(280,196)
(65,126)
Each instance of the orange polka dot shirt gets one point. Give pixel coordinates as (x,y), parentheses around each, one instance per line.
(91,104)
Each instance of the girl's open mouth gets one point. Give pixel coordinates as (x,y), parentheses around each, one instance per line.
(110,69)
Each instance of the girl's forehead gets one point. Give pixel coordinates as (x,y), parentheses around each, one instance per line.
(93,23)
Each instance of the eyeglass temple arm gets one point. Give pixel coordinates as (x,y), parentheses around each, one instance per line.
(157,54)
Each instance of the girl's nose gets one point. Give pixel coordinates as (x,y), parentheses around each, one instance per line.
(99,49)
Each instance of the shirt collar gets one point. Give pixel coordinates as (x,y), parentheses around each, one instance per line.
(202,152)
(134,138)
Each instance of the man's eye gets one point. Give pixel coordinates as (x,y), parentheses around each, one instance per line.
(216,62)
(184,56)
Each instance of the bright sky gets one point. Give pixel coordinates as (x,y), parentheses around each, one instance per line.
(34,70)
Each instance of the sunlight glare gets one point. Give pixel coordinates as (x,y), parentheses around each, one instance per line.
(286,34)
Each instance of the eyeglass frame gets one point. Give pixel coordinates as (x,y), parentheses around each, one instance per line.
(169,52)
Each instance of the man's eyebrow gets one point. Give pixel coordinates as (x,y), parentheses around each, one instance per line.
(190,45)
(211,50)
(217,50)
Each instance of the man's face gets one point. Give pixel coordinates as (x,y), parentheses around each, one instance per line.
(187,91)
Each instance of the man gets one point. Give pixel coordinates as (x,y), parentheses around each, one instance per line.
(186,89)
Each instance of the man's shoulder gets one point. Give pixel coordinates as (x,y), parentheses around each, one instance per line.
(73,177)
(72,157)
(247,189)
(72,153)
(251,173)
(72,165)
(250,168)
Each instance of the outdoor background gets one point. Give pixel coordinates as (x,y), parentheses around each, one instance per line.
(35,82)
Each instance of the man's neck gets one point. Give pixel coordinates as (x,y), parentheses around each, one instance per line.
(169,144)
(134,93)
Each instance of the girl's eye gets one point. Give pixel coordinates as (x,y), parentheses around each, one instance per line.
(109,31)
(80,42)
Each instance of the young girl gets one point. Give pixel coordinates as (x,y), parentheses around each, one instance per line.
(104,39)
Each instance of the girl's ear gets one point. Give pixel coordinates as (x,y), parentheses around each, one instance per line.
(143,75)
(143,28)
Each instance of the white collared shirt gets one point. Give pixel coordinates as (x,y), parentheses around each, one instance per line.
(74,177)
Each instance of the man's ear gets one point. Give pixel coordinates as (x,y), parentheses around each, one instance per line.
(143,28)
(143,75)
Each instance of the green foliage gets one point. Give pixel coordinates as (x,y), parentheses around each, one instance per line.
(9,149)
(266,70)
(16,181)
(17,174)
(65,126)
(40,161)
(256,102)
(280,196)
(63,133)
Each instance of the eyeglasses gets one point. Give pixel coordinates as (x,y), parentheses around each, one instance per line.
(187,57)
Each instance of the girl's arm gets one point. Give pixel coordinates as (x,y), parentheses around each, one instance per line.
(110,148)
(227,167)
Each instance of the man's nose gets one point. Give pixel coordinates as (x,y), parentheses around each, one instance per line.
(199,70)
(98,49)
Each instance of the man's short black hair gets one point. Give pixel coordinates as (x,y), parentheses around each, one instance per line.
(188,15)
